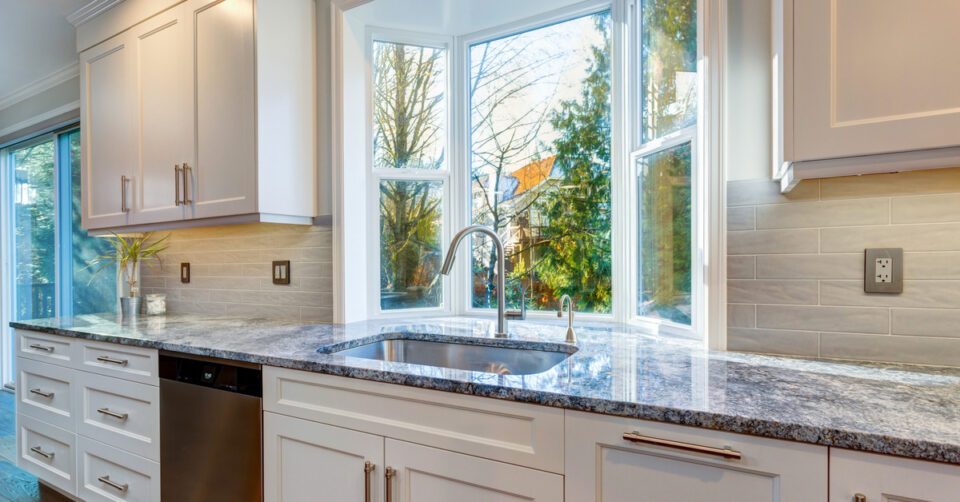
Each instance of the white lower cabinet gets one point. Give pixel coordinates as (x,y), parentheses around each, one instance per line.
(882,478)
(111,475)
(306,461)
(424,474)
(48,452)
(665,462)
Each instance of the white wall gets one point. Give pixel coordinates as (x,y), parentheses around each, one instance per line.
(747,90)
(19,119)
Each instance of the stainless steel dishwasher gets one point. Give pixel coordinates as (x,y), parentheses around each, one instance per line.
(210,430)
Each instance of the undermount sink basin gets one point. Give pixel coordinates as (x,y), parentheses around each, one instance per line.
(485,358)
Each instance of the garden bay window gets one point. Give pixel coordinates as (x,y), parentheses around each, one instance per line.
(573,133)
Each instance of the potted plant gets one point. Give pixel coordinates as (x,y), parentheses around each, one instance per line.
(127,253)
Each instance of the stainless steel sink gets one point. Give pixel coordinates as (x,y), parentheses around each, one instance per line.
(488,359)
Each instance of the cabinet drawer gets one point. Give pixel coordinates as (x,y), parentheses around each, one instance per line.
(507,431)
(45,392)
(894,479)
(122,361)
(119,413)
(47,452)
(613,459)
(109,474)
(47,348)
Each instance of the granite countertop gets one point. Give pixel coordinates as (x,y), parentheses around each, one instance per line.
(904,410)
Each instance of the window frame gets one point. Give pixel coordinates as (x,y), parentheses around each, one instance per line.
(709,247)
(376,175)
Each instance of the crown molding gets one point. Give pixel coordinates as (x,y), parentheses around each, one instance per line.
(37,86)
(73,106)
(90,10)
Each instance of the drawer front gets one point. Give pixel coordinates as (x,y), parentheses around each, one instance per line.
(47,348)
(512,432)
(111,475)
(47,452)
(121,361)
(891,479)
(45,392)
(119,413)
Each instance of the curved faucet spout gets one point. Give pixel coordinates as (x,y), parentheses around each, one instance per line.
(498,244)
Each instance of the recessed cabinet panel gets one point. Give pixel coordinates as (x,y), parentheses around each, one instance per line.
(875,76)
(890,479)
(293,449)
(108,130)
(166,119)
(222,180)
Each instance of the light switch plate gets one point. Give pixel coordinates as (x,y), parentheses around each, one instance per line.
(281,272)
(184,273)
(883,270)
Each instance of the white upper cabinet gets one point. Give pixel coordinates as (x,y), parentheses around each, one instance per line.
(203,113)
(865,86)
(108,132)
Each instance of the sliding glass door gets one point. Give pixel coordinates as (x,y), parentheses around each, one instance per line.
(46,252)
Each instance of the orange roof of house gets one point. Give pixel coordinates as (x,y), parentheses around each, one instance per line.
(532,174)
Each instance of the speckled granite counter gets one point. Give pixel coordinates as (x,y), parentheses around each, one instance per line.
(911,411)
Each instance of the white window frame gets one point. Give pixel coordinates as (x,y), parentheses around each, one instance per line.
(708,174)
(442,175)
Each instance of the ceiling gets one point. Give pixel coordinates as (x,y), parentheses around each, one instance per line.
(35,40)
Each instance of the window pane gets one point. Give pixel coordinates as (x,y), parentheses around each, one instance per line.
(34,231)
(665,235)
(89,294)
(410,233)
(669,64)
(540,163)
(408,106)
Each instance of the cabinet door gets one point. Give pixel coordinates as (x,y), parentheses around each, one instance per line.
(309,462)
(221,179)
(425,474)
(882,478)
(108,125)
(164,102)
(602,466)
(870,77)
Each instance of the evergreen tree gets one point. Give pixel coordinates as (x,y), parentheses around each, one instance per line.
(575,254)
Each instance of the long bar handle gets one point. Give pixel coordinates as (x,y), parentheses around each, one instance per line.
(176,182)
(368,468)
(388,475)
(107,359)
(123,194)
(39,451)
(122,488)
(186,190)
(41,393)
(636,437)
(45,348)
(110,413)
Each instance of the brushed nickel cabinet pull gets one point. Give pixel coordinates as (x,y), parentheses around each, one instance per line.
(107,359)
(45,348)
(368,467)
(176,182)
(636,437)
(186,190)
(41,393)
(109,413)
(859,497)
(122,488)
(123,194)
(39,451)
(388,475)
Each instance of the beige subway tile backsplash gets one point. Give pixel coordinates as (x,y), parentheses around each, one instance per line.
(230,272)
(795,281)
(836,213)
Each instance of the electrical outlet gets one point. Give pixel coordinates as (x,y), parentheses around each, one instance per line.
(883,270)
(281,272)
(184,273)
